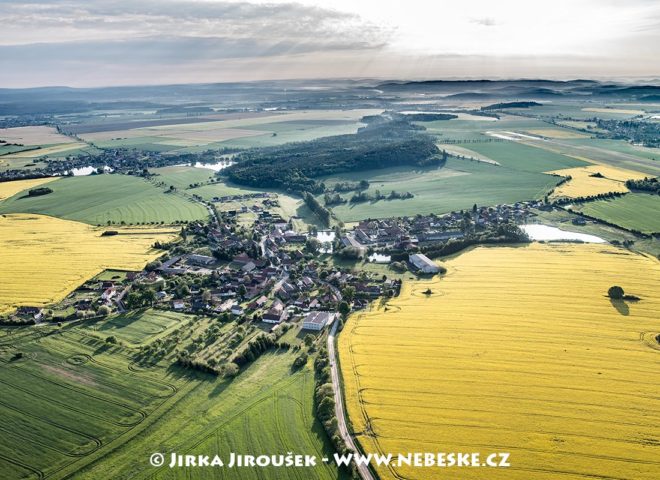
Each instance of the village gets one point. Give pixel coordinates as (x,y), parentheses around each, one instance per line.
(272,274)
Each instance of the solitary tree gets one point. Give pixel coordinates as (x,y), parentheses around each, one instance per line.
(615,292)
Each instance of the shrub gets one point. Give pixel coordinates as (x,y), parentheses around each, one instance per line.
(300,361)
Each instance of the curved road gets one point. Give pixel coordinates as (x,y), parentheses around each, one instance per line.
(364,471)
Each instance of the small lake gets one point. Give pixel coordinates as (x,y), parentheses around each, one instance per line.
(216,167)
(326,237)
(83,171)
(379,258)
(547,233)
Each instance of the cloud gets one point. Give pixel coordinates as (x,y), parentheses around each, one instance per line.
(485,21)
(102,42)
(167,50)
(70,40)
(42,21)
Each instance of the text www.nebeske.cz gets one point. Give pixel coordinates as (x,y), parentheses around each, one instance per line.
(290,460)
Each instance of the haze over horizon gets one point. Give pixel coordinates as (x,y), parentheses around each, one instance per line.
(105,43)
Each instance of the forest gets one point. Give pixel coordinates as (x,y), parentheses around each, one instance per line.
(386,141)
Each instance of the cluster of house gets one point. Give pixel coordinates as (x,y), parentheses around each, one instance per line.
(405,233)
(270,292)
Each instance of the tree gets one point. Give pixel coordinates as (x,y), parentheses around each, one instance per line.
(103,310)
(133,300)
(326,408)
(344,309)
(111,340)
(151,266)
(312,245)
(615,292)
(242,290)
(148,296)
(309,340)
(231,370)
(348,293)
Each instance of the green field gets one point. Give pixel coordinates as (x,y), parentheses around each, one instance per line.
(610,152)
(7,149)
(68,397)
(274,128)
(293,131)
(97,199)
(182,177)
(458,185)
(524,158)
(635,211)
(138,327)
(75,407)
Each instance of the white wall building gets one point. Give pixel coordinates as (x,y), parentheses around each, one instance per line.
(318,320)
(423,263)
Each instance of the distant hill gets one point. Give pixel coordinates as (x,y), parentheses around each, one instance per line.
(499,106)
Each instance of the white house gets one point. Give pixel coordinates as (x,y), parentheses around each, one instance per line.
(423,263)
(318,320)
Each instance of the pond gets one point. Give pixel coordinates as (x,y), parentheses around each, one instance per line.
(547,233)
(326,237)
(216,167)
(88,170)
(379,258)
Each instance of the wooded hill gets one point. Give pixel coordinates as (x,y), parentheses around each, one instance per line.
(387,140)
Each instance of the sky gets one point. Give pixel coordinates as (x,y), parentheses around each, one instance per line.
(85,43)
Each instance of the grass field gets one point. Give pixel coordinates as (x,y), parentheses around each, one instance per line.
(457,150)
(38,135)
(615,153)
(7,149)
(67,398)
(582,183)
(138,327)
(518,349)
(76,407)
(252,130)
(636,211)
(45,258)
(182,177)
(9,189)
(556,133)
(524,158)
(458,185)
(97,199)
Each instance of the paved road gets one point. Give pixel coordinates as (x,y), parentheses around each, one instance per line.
(364,471)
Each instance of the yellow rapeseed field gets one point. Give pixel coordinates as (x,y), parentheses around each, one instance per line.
(518,349)
(42,259)
(583,184)
(556,133)
(9,189)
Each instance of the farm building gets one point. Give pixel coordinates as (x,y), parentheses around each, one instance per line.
(423,263)
(201,260)
(318,320)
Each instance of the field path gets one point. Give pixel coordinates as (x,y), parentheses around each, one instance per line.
(364,471)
